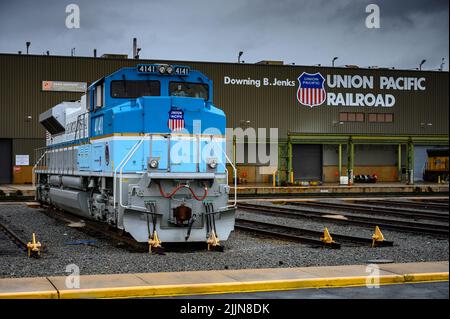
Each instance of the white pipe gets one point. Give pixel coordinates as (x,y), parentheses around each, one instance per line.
(235,178)
(235,175)
(121,169)
(34,168)
(115,173)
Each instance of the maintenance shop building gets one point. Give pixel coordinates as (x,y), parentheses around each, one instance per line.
(329,120)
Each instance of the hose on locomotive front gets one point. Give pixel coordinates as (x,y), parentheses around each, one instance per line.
(176,189)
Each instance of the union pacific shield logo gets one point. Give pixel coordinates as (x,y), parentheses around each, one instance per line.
(311,91)
(176,119)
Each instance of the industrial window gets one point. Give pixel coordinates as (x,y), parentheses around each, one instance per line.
(359,117)
(186,89)
(134,89)
(389,117)
(98,96)
(351,117)
(381,117)
(98,125)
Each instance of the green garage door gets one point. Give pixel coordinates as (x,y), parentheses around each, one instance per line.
(307,161)
(5,161)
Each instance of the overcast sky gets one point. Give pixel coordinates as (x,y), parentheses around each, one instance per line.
(303,32)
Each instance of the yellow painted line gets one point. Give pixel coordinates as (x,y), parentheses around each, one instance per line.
(435,276)
(252,286)
(51,294)
(228,287)
(154,134)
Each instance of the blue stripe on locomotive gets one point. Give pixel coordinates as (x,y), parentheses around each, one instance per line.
(91,157)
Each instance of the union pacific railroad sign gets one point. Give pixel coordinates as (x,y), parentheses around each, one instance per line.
(315,89)
(310,90)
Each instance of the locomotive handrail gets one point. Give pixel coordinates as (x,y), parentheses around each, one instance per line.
(235,177)
(34,167)
(118,166)
(127,158)
(82,120)
(234,173)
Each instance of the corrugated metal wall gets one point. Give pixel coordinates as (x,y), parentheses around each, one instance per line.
(266,106)
(26,146)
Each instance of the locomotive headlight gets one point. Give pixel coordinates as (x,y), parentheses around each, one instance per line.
(161,69)
(169,69)
(212,163)
(153,163)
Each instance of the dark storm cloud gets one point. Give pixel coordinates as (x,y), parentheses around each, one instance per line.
(304,32)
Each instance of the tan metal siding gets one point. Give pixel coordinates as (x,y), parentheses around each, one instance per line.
(21,95)
(26,147)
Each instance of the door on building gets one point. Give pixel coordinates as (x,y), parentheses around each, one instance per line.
(5,161)
(307,161)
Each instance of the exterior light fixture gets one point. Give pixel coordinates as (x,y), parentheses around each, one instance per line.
(421,63)
(153,163)
(239,56)
(334,59)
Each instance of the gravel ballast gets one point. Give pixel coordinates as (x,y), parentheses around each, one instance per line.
(242,250)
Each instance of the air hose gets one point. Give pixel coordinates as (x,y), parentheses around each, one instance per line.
(176,189)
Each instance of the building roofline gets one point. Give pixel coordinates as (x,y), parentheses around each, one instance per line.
(219,63)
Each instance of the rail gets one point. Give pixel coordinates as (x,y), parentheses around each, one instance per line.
(347,218)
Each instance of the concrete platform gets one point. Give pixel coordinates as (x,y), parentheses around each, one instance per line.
(378,188)
(222,281)
(269,190)
(13,189)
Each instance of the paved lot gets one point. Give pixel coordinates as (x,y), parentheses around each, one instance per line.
(436,290)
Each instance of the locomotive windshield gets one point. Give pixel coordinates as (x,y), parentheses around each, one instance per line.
(186,89)
(134,89)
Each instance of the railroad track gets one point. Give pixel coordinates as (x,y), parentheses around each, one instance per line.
(398,225)
(96,227)
(9,239)
(387,211)
(415,205)
(344,195)
(435,200)
(306,236)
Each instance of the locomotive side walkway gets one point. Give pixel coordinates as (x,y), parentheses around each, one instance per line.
(220,281)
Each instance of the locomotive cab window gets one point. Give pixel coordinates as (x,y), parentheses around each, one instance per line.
(185,89)
(98,96)
(134,89)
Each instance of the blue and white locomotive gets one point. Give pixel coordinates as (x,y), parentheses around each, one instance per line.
(144,151)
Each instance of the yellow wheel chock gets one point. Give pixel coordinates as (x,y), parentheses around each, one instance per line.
(377,237)
(34,248)
(212,241)
(154,243)
(326,238)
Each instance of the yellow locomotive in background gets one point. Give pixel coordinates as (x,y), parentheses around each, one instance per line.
(436,166)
